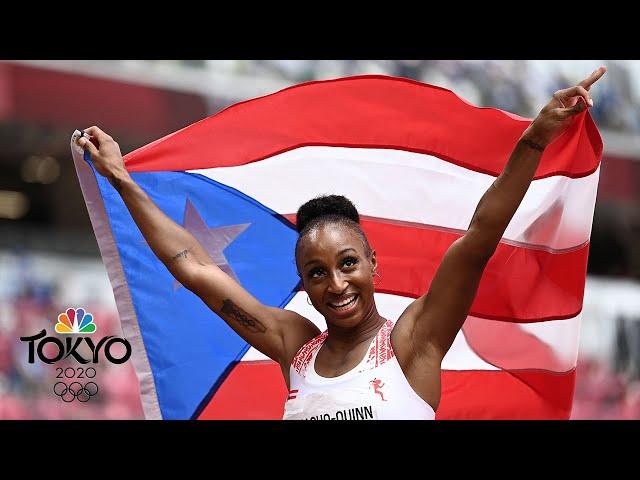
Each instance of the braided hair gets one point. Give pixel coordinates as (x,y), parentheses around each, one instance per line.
(329,209)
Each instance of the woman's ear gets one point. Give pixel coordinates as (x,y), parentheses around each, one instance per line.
(373,261)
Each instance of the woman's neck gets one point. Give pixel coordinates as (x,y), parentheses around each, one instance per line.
(341,339)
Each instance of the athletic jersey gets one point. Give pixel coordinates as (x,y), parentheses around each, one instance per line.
(375,389)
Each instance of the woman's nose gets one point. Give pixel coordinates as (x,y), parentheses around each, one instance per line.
(337,283)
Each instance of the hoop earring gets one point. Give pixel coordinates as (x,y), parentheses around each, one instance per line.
(379,277)
(309,301)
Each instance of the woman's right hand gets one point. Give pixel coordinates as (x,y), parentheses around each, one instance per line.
(105,153)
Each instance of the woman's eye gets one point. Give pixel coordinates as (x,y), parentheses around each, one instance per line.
(349,261)
(313,272)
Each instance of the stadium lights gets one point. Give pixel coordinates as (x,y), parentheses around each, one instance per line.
(13,205)
(40,169)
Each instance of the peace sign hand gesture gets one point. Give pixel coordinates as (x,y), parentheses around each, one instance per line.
(557,115)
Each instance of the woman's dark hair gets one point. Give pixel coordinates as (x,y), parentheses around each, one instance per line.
(325,209)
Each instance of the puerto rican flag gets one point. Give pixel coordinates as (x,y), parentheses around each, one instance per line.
(415,159)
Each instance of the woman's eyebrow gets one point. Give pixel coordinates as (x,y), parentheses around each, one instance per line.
(315,260)
(337,255)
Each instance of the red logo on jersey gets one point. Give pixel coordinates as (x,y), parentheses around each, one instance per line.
(377,385)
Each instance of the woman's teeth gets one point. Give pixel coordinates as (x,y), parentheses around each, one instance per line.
(345,304)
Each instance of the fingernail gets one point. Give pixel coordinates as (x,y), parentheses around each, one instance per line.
(82,141)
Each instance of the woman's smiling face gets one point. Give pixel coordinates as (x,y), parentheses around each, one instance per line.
(337,274)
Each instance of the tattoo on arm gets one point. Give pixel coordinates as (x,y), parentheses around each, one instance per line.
(533,145)
(182,254)
(231,310)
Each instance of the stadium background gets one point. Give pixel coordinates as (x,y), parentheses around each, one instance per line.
(49,258)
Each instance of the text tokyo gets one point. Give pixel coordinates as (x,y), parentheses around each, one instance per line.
(69,347)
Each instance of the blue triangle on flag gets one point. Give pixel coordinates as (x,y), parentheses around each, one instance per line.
(189,347)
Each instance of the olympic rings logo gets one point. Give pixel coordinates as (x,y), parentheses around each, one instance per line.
(68,393)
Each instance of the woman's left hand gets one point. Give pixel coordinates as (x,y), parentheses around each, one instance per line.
(556,115)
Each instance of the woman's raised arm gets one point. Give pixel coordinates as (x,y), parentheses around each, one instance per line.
(275,332)
(432,321)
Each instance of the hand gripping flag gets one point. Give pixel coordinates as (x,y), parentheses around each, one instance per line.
(415,159)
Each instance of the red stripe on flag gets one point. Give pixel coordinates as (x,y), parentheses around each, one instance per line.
(519,284)
(253,391)
(507,346)
(506,395)
(256,390)
(369,111)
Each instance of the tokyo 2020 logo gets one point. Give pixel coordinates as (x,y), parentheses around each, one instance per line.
(76,383)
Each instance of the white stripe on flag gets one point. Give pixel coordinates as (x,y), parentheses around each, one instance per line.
(406,186)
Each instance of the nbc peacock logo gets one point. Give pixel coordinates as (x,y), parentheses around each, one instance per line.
(75,321)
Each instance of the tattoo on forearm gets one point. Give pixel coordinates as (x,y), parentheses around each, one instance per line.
(182,254)
(533,145)
(231,310)
(117,184)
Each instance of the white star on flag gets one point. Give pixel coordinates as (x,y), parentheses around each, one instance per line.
(213,239)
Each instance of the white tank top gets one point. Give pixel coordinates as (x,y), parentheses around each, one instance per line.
(376,389)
